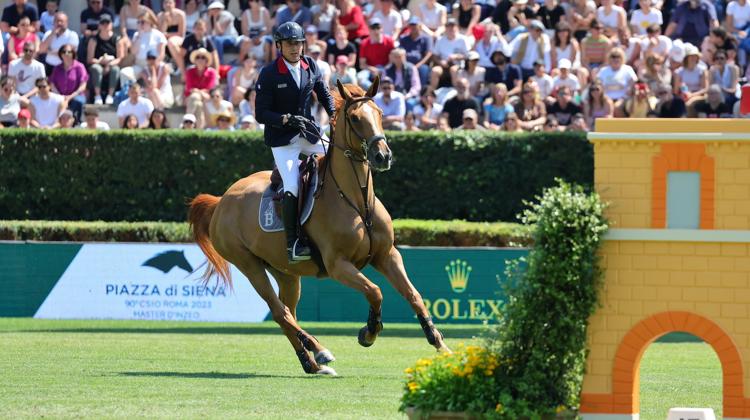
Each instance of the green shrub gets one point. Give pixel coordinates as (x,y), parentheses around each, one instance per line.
(149,175)
(408,232)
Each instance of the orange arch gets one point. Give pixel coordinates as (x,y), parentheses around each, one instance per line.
(625,385)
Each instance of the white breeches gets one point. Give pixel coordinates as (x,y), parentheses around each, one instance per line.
(287,160)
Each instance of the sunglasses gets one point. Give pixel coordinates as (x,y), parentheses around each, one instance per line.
(67,52)
(223,119)
(28,50)
(201,57)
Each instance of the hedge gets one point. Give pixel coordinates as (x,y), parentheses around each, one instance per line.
(149,175)
(408,232)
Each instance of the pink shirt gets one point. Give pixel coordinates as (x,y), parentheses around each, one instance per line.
(18,43)
(194,80)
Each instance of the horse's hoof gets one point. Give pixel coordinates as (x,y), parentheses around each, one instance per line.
(324,357)
(361,338)
(326,370)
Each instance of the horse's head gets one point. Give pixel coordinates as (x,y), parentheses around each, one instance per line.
(364,119)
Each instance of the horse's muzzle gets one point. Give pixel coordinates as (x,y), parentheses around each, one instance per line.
(382,160)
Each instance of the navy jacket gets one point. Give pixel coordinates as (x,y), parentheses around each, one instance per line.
(276,94)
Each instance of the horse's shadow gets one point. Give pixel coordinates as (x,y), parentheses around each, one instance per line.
(212,375)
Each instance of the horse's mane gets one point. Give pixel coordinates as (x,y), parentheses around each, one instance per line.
(354,90)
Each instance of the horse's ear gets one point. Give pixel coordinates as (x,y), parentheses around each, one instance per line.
(342,91)
(373,90)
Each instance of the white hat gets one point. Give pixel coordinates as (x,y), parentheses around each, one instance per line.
(564,63)
(470,113)
(472,55)
(216,5)
(677,53)
(188,117)
(249,119)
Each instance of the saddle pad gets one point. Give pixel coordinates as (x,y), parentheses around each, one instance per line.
(269,218)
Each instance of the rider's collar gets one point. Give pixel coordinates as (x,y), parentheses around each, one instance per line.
(281,65)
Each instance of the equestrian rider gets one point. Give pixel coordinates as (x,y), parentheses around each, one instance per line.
(283,102)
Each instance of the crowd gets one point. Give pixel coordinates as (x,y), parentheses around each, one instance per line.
(513,65)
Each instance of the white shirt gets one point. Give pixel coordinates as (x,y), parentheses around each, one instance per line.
(740,14)
(45,110)
(147,41)
(609,20)
(532,51)
(544,83)
(67,38)
(616,83)
(294,69)
(661,48)
(25,74)
(444,47)
(391,23)
(141,109)
(571,82)
(100,125)
(485,50)
(641,21)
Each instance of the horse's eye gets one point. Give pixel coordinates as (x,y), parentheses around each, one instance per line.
(355,118)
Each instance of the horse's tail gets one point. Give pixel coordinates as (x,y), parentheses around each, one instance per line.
(201,210)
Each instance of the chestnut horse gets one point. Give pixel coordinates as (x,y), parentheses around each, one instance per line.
(349,226)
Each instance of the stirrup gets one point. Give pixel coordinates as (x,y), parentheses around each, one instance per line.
(298,252)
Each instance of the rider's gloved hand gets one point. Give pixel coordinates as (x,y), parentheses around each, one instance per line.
(297,121)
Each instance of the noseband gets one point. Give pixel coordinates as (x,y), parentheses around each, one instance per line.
(366,143)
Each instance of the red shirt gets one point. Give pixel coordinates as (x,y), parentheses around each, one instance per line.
(194,80)
(376,54)
(355,15)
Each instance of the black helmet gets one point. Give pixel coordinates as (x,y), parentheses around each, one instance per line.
(289,31)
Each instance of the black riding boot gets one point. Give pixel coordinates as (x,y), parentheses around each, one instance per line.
(296,250)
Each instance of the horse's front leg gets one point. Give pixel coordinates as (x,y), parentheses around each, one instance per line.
(346,273)
(392,266)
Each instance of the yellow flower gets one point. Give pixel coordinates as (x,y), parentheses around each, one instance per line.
(488,372)
(413,386)
(499,408)
(560,409)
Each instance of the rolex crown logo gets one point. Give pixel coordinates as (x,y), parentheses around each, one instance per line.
(458,274)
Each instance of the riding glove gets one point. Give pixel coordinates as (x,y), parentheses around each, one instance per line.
(297,121)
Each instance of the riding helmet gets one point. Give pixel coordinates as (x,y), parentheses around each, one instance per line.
(289,31)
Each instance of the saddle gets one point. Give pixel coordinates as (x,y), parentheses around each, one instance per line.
(269,213)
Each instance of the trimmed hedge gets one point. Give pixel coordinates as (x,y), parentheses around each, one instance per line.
(408,232)
(149,175)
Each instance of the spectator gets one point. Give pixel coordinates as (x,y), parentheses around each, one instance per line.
(595,48)
(427,111)
(55,39)
(247,105)
(565,47)
(691,21)
(581,16)
(148,38)
(135,105)
(46,105)
(645,17)
(220,25)
(719,39)
(443,124)
(129,122)
(47,18)
(10,102)
(352,19)
(551,14)
(104,53)
(324,15)
(343,72)
(467,16)
(543,80)
(511,124)
(172,24)
(188,122)
(714,105)
(223,121)
(726,75)
(25,35)
(565,78)
(655,43)
(738,17)
(25,70)
(216,105)
(654,73)
(410,122)
(551,125)
(91,120)
(390,18)
(470,119)
(492,40)
(244,79)
(65,120)
(530,110)
(130,14)
(433,15)
(373,53)
(393,105)
(454,107)
(691,80)
(92,16)
(471,71)
(504,72)
(404,75)
(70,80)
(340,45)
(669,106)
(248,123)
(24,119)
(199,80)
(531,47)
(256,20)
(195,41)
(311,38)
(157,81)
(617,77)
(496,107)
(640,104)
(449,49)
(578,124)
(564,108)
(158,120)
(598,105)
(192,15)
(612,17)
(259,47)
(325,70)
(12,15)
(294,11)
(418,48)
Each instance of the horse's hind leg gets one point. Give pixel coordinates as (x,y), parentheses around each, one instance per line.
(252,267)
(346,273)
(392,267)
(289,293)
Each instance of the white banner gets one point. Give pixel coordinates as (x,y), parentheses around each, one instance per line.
(148,281)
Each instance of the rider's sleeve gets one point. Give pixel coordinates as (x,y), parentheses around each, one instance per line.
(264,101)
(324,96)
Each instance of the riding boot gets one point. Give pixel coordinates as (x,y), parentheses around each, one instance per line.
(296,250)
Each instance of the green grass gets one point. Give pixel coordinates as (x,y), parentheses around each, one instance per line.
(123,369)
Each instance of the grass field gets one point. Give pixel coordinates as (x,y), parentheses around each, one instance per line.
(118,369)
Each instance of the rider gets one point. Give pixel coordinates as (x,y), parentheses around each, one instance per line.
(283,102)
